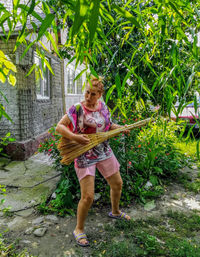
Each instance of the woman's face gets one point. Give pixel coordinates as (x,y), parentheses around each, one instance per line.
(92,95)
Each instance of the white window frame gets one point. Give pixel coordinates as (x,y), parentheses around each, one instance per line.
(72,85)
(46,79)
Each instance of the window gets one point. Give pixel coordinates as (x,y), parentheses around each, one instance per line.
(42,78)
(74,87)
(70,81)
(79,84)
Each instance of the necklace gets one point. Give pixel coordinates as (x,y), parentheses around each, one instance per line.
(92,107)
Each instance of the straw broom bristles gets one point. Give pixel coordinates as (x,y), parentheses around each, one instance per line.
(70,150)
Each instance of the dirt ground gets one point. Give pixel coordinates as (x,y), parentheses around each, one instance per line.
(58,241)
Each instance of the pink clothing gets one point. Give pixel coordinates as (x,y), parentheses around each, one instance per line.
(85,121)
(107,168)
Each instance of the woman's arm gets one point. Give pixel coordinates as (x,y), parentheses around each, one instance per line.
(64,131)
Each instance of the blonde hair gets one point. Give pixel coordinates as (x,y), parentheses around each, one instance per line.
(96,82)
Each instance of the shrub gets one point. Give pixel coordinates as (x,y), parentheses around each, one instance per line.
(4,142)
(67,191)
(148,159)
(3,193)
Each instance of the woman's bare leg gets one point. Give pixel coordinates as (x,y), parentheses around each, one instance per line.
(115,183)
(87,196)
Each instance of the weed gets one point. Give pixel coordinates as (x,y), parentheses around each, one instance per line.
(11,250)
(193,186)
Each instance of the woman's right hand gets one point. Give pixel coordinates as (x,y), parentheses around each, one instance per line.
(82,139)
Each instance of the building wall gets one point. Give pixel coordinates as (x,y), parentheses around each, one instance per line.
(9,5)
(45,113)
(31,117)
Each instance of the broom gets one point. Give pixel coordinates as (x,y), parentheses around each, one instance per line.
(69,150)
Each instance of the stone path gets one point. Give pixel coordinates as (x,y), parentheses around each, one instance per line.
(27,182)
(51,236)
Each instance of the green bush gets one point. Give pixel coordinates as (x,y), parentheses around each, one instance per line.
(11,250)
(67,191)
(4,141)
(4,210)
(148,159)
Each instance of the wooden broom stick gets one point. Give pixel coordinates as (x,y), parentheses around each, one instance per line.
(69,150)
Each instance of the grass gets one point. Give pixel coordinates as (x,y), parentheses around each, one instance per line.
(171,235)
(193,186)
(11,250)
(188,148)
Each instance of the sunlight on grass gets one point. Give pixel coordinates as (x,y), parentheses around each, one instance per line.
(188,148)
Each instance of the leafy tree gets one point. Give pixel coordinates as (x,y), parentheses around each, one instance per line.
(159,57)
(153,45)
(7,68)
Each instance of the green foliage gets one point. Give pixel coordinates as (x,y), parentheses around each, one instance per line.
(2,192)
(145,50)
(193,186)
(10,250)
(6,250)
(151,237)
(5,210)
(7,68)
(154,44)
(68,187)
(4,141)
(154,55)
(148,159)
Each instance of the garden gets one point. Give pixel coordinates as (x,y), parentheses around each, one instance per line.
(149,158)
(148,53)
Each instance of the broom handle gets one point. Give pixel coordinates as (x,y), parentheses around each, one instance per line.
(115,132)
(135,125)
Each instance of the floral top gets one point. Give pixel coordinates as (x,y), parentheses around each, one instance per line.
(85,121)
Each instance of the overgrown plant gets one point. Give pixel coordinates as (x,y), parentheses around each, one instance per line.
(3,193)
(7,250)
(4,141)
(10,250)
(7,74)
(68,187)
(149,158)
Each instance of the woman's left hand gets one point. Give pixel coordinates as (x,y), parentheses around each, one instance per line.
(116,126)
(127,131)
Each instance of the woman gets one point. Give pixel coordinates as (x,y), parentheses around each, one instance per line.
(91,116)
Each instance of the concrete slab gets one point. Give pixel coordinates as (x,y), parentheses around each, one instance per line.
(28,182)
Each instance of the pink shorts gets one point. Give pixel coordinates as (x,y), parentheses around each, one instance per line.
(107,168)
